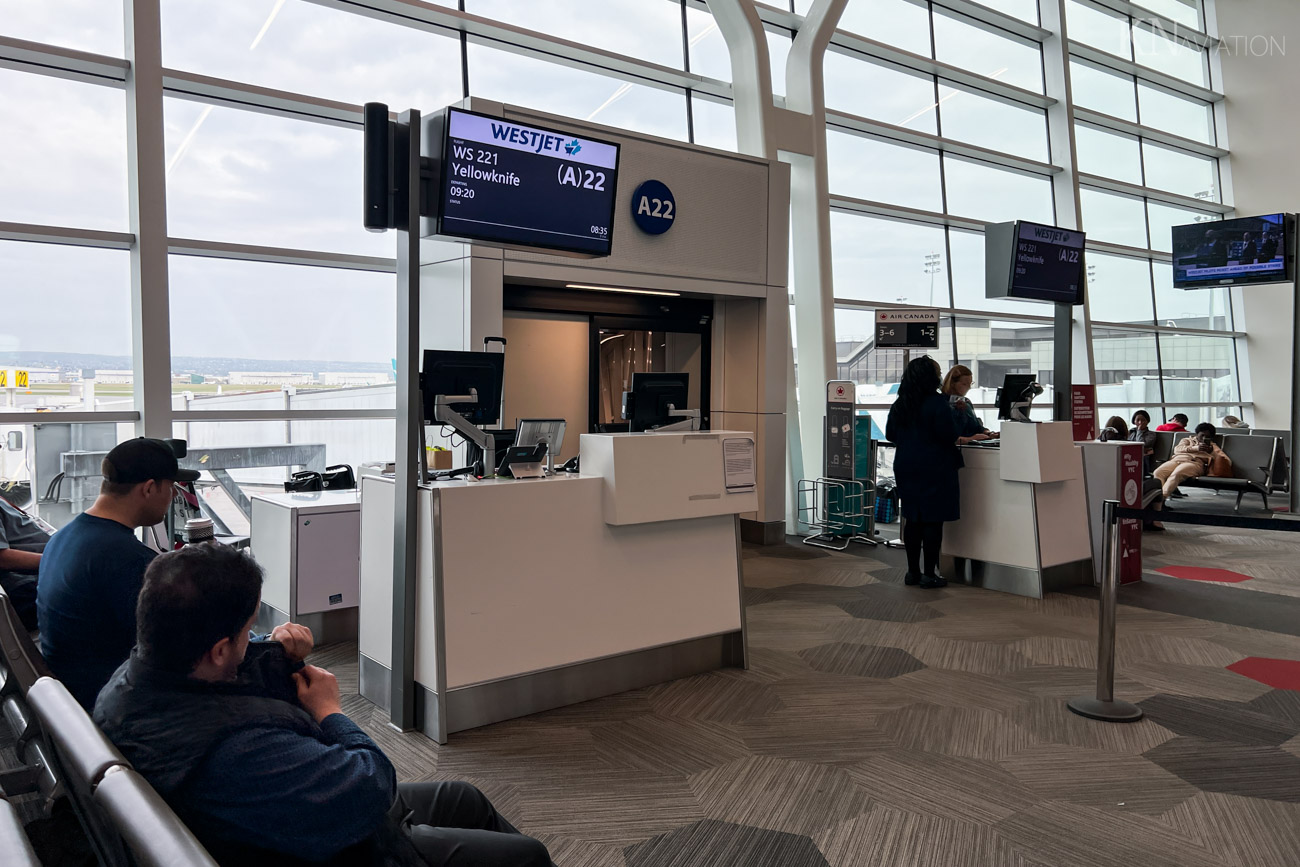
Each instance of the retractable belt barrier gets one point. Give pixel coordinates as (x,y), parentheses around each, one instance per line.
(1103,706)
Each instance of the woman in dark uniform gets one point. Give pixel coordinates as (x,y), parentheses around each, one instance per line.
(922,428)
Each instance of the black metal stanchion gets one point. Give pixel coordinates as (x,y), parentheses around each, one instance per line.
(1104,707)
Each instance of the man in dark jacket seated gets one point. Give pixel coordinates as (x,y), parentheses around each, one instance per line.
(253,751)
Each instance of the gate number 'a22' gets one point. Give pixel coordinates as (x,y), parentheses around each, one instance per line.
(663,209)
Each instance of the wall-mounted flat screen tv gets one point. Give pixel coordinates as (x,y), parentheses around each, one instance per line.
(1234,252)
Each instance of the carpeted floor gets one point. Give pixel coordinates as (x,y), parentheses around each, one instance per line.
(886,725)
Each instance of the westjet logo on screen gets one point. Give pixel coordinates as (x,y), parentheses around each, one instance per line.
(531,138)
(501,133)
(1050,235)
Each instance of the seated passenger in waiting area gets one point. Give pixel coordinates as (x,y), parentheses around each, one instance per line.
(22,539)
(253,751)
(91,570)
(1192,458)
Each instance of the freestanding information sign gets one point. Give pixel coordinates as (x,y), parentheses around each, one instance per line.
(840,395)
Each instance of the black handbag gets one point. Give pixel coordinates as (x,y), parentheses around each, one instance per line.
(338,478)
(305,481)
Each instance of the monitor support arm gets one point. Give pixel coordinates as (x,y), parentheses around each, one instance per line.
(690,419)
(444,414)
(1020,408)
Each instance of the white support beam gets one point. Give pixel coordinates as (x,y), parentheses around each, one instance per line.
(1139,191)
(279,255)
(1143,73)
(751,74)
(810,228)
(280,414)
(147,193)
(68,417)
(1151,134)
(1156,22)
(201,88)
(1000,20)
(852,45)
(1131,252)
(61,62)
(448,20)
(63,235)
(879,129)
(900,212)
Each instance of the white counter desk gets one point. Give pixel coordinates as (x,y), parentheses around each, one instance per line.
(539,593)
(1024,514)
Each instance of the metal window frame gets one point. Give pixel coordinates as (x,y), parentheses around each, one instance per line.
(1124,66)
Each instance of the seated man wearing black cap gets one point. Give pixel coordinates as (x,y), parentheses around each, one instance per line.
(92,569)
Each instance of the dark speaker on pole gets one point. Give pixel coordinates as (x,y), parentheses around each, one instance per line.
(378,150)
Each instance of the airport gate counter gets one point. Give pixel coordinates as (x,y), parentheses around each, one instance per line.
(538,593)
(1024,514)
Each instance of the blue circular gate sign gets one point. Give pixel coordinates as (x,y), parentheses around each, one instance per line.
(653,208)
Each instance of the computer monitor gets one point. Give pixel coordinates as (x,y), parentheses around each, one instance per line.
(1015,388)
(647,405)
(452,372)
(541,430)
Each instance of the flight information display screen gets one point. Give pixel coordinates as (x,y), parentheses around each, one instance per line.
(1047,264)
(526,186)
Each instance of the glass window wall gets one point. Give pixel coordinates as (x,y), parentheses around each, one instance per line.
(62,152)
(67,321)
(880,92)
(992,123)
(984,192)
(315,50)
(251,178)
(975,47)
(888,260)
(518,79)
(881,171)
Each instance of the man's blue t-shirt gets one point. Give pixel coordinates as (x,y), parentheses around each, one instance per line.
(86,592)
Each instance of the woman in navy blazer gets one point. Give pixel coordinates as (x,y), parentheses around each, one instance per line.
(926,459)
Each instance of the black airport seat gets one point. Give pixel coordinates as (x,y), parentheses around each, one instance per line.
(156,837)
(79,755)
(1163,447)
(83,749)
(15,849)
(1252,459)
(22,664)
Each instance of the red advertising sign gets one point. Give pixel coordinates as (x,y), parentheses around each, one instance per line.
(1083,412)
(1130,497)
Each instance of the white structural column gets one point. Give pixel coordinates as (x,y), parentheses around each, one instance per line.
(1065,184)
(751,73)
(796,135)
(147,192)
(810,224)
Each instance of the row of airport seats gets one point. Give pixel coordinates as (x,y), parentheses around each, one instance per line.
(66,756)
(1260,463)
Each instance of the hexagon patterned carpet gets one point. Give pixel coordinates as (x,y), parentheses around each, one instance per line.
(881,725)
